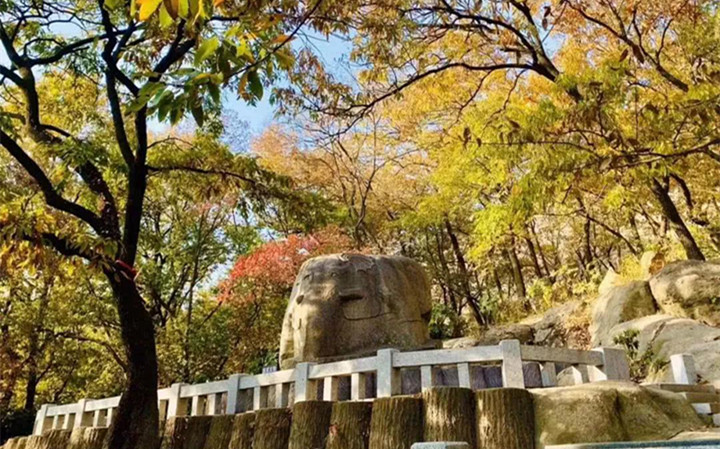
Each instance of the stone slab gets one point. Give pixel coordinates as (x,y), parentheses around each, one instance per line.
(704,444)
(441,445)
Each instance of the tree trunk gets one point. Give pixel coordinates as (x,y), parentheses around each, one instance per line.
(517,274)
(672,215)
(272,428)
(243,430)
(534,257)
(310,424)
(464,275)
(449,415)
(350,425)
(136,423)
(396,423)
(505,419)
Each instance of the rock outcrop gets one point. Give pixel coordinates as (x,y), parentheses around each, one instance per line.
(667,335)
(689,288)
(349,304)
(618,305)
(609,411)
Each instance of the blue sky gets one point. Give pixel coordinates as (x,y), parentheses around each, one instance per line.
(333,52)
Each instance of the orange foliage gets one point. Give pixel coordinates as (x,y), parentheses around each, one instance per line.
(269,270)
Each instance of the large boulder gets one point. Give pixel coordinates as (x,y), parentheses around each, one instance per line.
(689,288)
(555,327)
(620,304)
(492,336)
(350,304)
(667,335)
(609,411)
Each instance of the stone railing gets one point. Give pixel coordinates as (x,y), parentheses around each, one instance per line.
(388,373)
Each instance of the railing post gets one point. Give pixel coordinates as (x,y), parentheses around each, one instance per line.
(109,416)
(212,402)
(80,420)
(615,366)
(97,416)
(40,418)
(512,369)
(174,402)
(233,392)
(304,386)
(683,369)
(388,379)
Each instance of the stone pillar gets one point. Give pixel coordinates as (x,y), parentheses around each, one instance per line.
(233,392)
(683,369)
(388,378)
(304,386)
(40,418)
(512,370)
(174,402)
(615,366)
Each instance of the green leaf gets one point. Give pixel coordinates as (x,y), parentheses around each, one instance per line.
(198,114)
(206,49)
(255,84)
(112,4)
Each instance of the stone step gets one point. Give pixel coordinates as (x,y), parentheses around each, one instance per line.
(706,408)
(699,398)
(681,388)
(716,419)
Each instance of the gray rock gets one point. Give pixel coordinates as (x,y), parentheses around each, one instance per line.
(618,305)
(551,329)
(689,288)
(492,336)
(348,305)
(609,411)
(668,335)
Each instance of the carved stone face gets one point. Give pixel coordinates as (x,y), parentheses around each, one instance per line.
(344,305)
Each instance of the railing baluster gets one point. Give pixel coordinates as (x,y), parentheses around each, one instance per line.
(464,375)
(548,372)
(426,377)
(331,388)
(358,390)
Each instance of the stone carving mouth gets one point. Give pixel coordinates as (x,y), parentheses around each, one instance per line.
(354,294)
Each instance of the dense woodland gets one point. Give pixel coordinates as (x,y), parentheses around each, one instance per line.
(519,149)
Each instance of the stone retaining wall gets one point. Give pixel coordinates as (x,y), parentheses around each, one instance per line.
(503,418)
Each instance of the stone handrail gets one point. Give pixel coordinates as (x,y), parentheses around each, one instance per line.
(369,377)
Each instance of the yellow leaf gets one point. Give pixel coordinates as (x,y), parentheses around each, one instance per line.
(165,18)
(183,8)
(147,8)
(218,2)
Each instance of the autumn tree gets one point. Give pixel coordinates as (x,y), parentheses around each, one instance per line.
(90,157)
